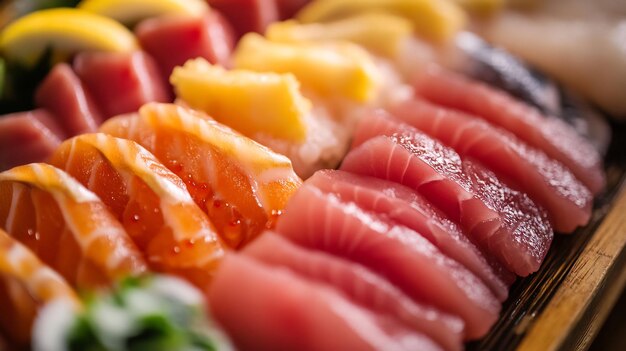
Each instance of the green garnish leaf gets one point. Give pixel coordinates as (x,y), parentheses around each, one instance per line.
(157,313)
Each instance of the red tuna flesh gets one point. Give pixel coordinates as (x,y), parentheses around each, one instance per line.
(406,207)
(63,94)
(549,134)
(545,180)
(321,221)
(288,8)
(360,285)
(27,137)
(247,15)
(269,308)
(172,40)
(120,82)
(500,220)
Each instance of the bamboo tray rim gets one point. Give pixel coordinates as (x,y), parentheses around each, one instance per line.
(576,312)
(564,304)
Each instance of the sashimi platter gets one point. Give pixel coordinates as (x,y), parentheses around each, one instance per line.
(311,174)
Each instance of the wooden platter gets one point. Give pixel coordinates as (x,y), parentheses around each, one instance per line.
(563,306)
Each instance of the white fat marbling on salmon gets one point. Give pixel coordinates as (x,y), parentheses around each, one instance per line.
(93,176)
(42,277)
(16,195)
(207,259)
(33,275)
(179,229)
(253,158)
(71,155)
(143,164)
(16,256)
(116,259)
(85,240)
(130,159)
(52,179)
(250,153)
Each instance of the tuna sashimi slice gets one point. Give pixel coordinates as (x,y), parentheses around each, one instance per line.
(360,285)
(172,40)
(567,201)
(549,134)
(408,208)
(27,137)
(63,94)
(248,15)
(269,308)
(500,220)
(321,221)
(120,82)
(288,8)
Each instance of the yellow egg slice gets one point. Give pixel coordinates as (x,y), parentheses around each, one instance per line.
(380,33)
(438,20)
(250,102)
(334,69)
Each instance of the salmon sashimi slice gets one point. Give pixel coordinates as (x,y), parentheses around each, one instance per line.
(549,134)
(546,181)
(121,82)
(66,226)
(503,222)
(150,201)
(406,207)
(242,185)
(26,284)
(321,221)
(269,308)
(172,40)
(360,285)
(35,133)
(62,93)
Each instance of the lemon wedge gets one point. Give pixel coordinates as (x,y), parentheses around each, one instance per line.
(437,20)
(65,31)
(130,12)
(333,69)
(380,33)
(250,102)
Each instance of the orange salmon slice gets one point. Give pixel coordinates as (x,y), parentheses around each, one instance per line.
(66,226)
(150,201)
(26,284)
(242,185)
